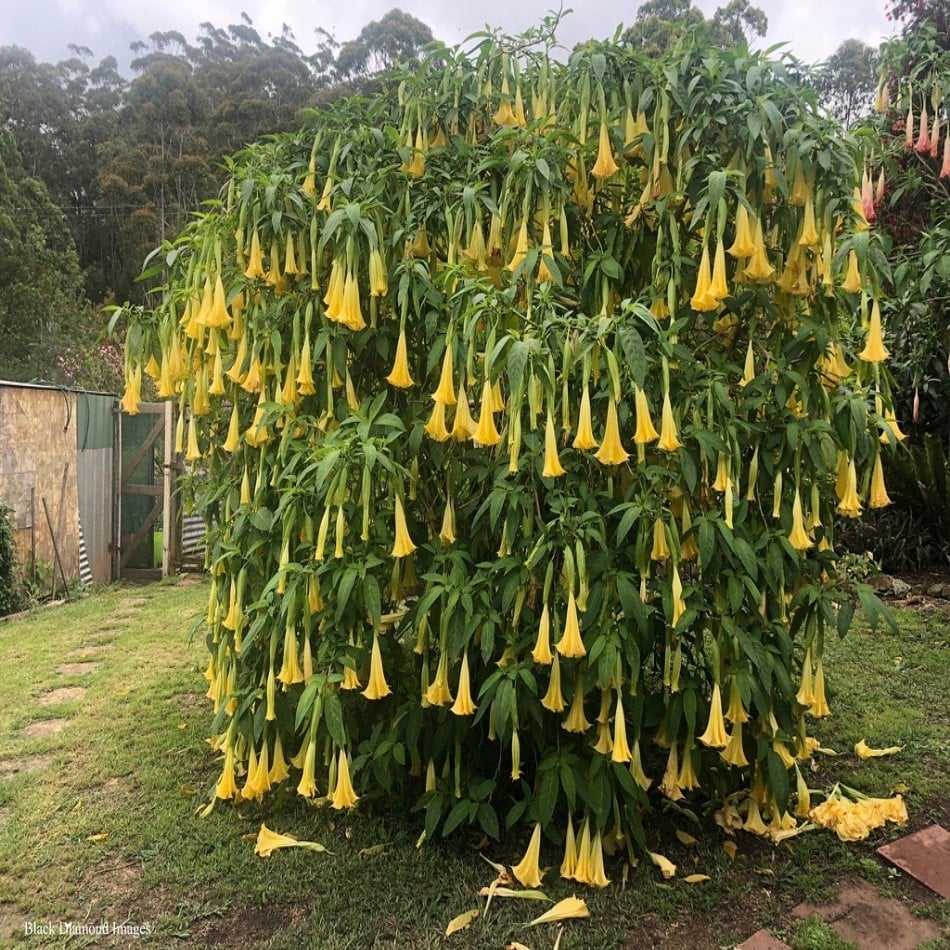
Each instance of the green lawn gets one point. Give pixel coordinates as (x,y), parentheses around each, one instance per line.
(132,764)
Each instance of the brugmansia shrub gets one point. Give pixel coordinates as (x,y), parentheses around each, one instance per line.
(524,399)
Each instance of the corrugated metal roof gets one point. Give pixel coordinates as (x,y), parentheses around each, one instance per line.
(53,386)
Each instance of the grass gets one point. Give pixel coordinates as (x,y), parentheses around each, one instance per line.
(132,764)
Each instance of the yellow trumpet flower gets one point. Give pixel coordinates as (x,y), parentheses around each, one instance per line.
(576,720)
(718,287)
(605,167)
(485,432)
(435,427)
(798,537)
(646,432)
(402,542)
(463,427)
(621,750)
(702,300)
(542,647)
(611,451)
(850,504)
(597,876)
(278,767)
(687,777)
(744,244)
(585,433)
(554,698)
(399,376)
(528,870)
(736,712)
(879,497)
(255,263)
(307,786)
(667,867)
(521,247)
(819,707)
(377,687)
(343,795)
(758,268)
(809,233)
(571,644)
(874,350)
(569,863)
(852,282)
(445,393)
(890,421)
(447,531)
(669,441)
(715,735)
(660,550)
(464,705)
(582,868)
(552,464)
(438,692)
(270,841)
(733,752)
(227,786)
(669,784)
(863,751)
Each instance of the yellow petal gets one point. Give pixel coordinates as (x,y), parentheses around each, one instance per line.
(666,866)
(461,922)
(696,878)
(571,908)
(685,838)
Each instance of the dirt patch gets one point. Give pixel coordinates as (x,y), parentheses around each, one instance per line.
(65,694)
(245,926)
(11,921)
(75,669)
(44,728)
(23,765)
(134,602)
(724,926)
(868,919)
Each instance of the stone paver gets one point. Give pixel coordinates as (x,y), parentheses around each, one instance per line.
(924,855)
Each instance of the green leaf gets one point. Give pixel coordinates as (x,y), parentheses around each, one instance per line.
(635,354)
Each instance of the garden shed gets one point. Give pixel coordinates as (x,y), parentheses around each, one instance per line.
(101,483)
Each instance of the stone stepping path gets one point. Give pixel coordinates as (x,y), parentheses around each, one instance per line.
(45,728)
(65,694)
(924,855)
(74,669)
(865,917)
(763,940)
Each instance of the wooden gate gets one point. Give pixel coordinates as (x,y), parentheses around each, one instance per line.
(145,503)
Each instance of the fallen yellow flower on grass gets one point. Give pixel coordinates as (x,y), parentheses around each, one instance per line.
(696,878)
(863,751)
(855,820)
(666,866)
(99,837)
(493,891)
(571,908)
(270,841)
(461,922)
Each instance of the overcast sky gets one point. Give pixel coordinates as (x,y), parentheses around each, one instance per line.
(812,28)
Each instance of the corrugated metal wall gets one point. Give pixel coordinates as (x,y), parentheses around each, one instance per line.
(95,435)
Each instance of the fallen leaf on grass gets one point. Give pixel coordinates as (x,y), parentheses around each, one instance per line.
(863,751)
(75,809)
(571,908)
(188,790)
(373,851)
(696,878)
(508,892)
(270,841)
(99,837)
(685,837)
(730,848)
(461,922)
